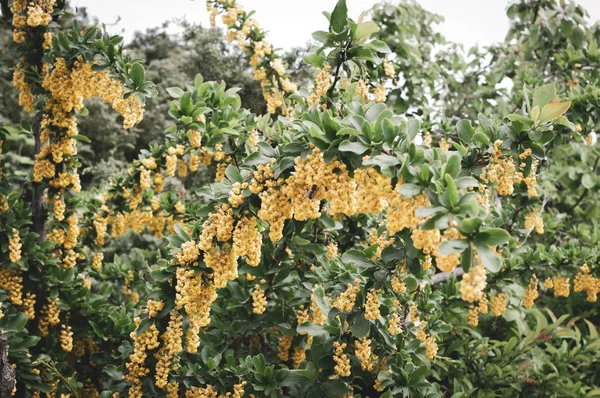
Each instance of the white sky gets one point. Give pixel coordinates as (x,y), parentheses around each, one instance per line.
(291,22)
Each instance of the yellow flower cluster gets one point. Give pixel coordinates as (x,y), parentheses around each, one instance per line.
(59,206)
(247,240)
(342,361)
(298,356)
(136,368)
(172,345)
(501,171)
(379,93)
(66,338)
(401,211)
(268,67)
(534,220)
(97,260)
(39,13)
(531,294)
(14,246)
(332,250)
(444,145)
(188,254)
(219,225)
(584,281)
(70,87)
(398,284)
(431,347)
(50,316)
(498,304)
(322,85)
(483,305)
(154,307)
(12,282)
(263,173)
(362,90)
(345,301)
(372,190)
(275,208)
(236,197)
(426,240)
(394,321)
(382,241)
(363,351)
(283,347)
(26,99)
(372,305)
(562,286)
(29,305)
(388,68)
(473,283)
(259,301)
(473,315)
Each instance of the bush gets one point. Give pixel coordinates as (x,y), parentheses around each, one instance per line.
(353,243)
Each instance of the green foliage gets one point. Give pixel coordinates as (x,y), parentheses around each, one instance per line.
(473,167)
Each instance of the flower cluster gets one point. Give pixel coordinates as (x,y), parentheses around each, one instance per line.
(345,302)
(531,294)
(14,246)
(498,304)
(585,282)
(372,312)
(268,66)
(259,301)
(342,361)
(362,350)
(473,283)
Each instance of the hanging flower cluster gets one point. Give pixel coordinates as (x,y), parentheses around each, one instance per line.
(267,65)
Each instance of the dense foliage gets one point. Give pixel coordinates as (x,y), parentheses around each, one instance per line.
(417,222)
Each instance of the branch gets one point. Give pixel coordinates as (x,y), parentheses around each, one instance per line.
(7,372)
(444,276)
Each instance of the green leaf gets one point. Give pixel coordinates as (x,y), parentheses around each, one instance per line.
(490,260)
(175,92)
(339,16)
(315,60)
(469,225)
(543,95)
(451,193)
(357,257)
(360,327)
(465,131)
(323,304)
(453,246)
(137,74)
(365,29)
(383,161)
(521,119)
(233,174)
(185,104)
(380,46)
(480,137)
(313,330)
(453,165)
(553,111)
(492,237)
(354,147)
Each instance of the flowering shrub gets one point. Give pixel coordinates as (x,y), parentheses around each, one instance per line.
(342,250)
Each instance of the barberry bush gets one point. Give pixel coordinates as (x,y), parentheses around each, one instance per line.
(418,222)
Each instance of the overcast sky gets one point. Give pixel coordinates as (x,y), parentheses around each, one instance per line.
(291,22)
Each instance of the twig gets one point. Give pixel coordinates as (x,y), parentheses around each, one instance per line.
(444,276)
(539,215)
